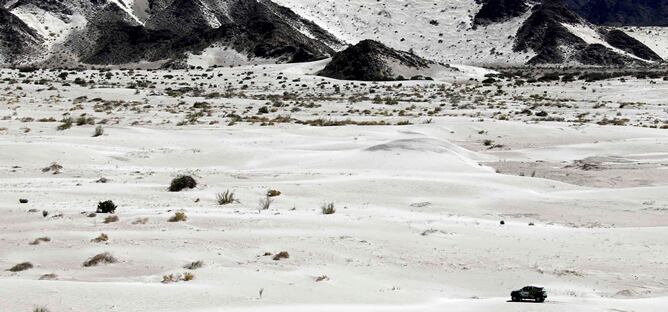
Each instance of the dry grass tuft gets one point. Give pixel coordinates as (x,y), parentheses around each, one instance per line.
(48,277)
(140,221)
(328,208)
(194,265)
(102,238)
(111,219)
(54,168)
(39,240)
(100,258)
(171,278)
(273,193)
(225,198)
(178,217)
(281,255)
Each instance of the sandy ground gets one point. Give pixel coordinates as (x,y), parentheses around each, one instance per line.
(418,205)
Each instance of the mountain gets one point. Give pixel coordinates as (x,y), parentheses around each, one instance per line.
(133,31)
(67,33)
(622,12)
(485,32)
(17,39)
(370,60)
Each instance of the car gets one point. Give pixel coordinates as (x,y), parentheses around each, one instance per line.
(529,293)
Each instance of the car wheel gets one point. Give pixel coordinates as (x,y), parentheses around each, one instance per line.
(515,299)
(541,299)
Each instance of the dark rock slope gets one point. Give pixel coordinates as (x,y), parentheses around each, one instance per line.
(622,12)
(168,29)
(495,11)
(371,61)
(17,40)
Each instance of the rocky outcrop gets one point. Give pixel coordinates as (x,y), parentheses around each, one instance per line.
(372,61)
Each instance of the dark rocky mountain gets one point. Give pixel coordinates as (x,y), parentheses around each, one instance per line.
(622,12)
(167,29)
(17,39)
(495,11)
(372,61)
(624,42)
(545,33)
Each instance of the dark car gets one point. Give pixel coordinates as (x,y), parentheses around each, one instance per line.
(529,293)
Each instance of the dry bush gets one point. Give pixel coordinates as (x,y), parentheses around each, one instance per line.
(39,240)
(21,267)
(321,278)
(140,221)
(182,182)
(265,203)
(194,265)
(111,219)
(40,309)
(225,198)
(48,277)
(328,208)
(102,238)
(100,258)
(178,217)
(99,131)
(273,193)
(54,168)
(107,206)
(171,278)
(281,255)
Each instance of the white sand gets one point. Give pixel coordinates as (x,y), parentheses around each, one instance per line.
(417,216)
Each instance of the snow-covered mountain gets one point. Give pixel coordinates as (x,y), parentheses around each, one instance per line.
(225,32)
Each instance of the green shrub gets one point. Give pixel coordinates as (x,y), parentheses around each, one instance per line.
(182,182)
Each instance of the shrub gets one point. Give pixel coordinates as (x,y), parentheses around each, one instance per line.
(328,208)
(55,168)
(40,309)
(171,278)
(66,123)
(100,258)
(140,221)
(102,238)
(225,198)
(48,276)
(281,255)
(110,219)
(273,193)
(194,265)
(178,217)
(21,267)
(182,182)
(23,201)
(107,206)
(39,240)
(99,131)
